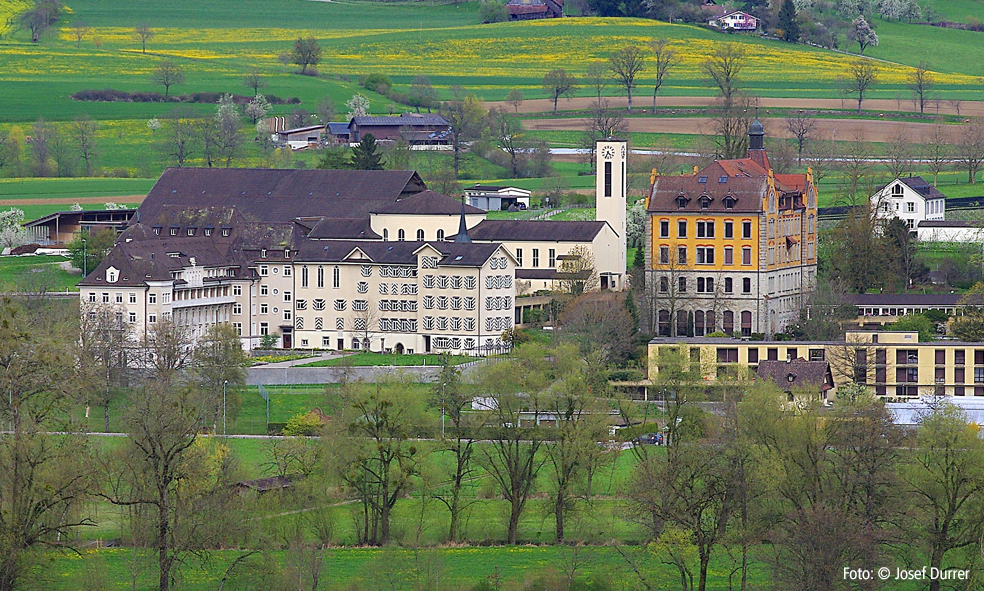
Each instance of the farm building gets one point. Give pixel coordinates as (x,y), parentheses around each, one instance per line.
(419,130)
(62,226)
(734,20)
(521,10)
(301,137)
(496,198)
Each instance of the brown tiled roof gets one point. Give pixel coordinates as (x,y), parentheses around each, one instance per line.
(428,203)
(923,187)
(749,192)
(405,120)
(797,373)
(140,261)
(272,195)
(521,230)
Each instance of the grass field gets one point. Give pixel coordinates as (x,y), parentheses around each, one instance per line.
(14,273)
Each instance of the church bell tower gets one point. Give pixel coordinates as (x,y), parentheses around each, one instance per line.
(610,198)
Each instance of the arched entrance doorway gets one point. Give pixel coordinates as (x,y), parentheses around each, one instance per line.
(398,349)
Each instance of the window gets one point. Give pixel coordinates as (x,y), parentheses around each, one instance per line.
(910,207)
(318,304)
(152,318)
(552,257)
(729,201)
(133,298)
(420,235)
(401,235)
(455,283)
(729,229)
(92,297)
(340,305)
(682,229)
(727,355)
(519,257)
(339,324)
(705,255)
(264,290)
(664,229)
(287,314)
(469,303)
(174,231)
(682,255)
(237,309)
(705,229)
(728,285)
(440,235)
(746,255)
(682,285)
(729,255)
(119,298)
(959,357)
(321,277)
(362,287)
(746,323)
(664,284)
(336,277)
(471,282)
(151,299)
(287,271)
(264,270)
(133,317)
(264,308)
(536,257)
(664,255)
(746,230)
(746,285)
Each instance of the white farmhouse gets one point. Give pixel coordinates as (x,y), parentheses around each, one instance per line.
(911,199)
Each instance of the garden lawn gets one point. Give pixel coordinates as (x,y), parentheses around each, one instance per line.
(14,273)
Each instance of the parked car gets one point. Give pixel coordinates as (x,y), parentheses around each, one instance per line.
(649,439)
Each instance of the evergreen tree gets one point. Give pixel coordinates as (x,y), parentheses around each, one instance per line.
(788,28)
(366,156)
(639,260)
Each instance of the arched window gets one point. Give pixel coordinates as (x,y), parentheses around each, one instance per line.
(386,234)
(304,276)
(440,234)
(420,235)
(321,276)
(729,322)
(664,323)
(709,321)
(897,190)
(336,277)
(746,323)
(681,323)
(401,235)
(699,323)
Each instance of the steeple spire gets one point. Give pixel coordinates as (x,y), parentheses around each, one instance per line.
(462,235)
(756,134)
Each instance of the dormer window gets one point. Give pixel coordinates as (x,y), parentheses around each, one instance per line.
(287,254)
(682,201)
(263,253)
(208,231)
(174,230)
(157,230)
(702,179)
(112,275)
(226,231)
(722,179)
(897,190)
(705,202)
(191,230)
(729,202)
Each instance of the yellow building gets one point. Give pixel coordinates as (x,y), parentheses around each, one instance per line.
(893,363)
(731,247)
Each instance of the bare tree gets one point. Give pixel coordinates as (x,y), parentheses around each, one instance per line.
(254,81)
(106,343)
(454,401)
(801,126)
(79,31)
(84,133)
(625,64)
(143,33)
(366,323)
(666,285)
(921,82)
(464,116)
(167,74)
(856,168)
(577,272)
(168,350)
(899,155)
(937,151)
(723,68)
(604,122)
(558,83)
(515,98)
(597,77)
(853,361)
(730,122)
(861,76)
(665,59)
(820,157)
(970,149)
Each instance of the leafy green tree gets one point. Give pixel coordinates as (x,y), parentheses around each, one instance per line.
(367,156)
(306,52)
(94,245)
(788,28)
(915,322)
(218,366)
(946,477)
(335,158)
(46,478)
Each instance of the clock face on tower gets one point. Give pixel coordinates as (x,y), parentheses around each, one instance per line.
(608,152)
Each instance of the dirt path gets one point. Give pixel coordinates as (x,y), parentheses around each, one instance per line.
(967,108)
(838,129)
(71,200)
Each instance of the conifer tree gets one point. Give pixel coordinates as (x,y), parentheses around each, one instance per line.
(788,28)
(366,156)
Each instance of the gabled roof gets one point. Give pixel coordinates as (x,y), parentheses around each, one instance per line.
(428,203)
(338,128)
(748,193)
(921,186)
(405,120)
(797,373)
(140,261)
(271,195)
(524,230)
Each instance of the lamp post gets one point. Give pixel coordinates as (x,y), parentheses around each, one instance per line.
(85,260)
(224,383)
(444,403)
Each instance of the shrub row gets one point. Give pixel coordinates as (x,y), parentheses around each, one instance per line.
(109,95)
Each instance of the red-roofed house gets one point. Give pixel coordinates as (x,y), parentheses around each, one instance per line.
(521,10)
